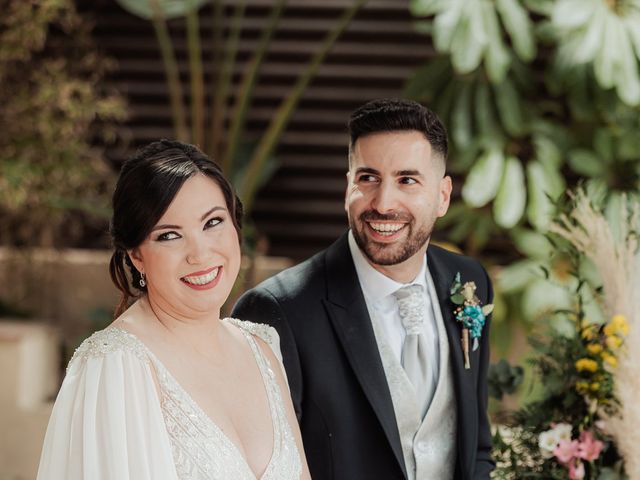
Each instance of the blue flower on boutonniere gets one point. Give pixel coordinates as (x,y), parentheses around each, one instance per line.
(470,312)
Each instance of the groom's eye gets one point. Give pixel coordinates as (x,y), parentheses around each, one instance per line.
(408,181)
(367,178)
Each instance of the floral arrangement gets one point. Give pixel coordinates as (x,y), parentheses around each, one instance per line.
(585,422)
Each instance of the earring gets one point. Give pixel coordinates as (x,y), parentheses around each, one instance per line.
(142,281)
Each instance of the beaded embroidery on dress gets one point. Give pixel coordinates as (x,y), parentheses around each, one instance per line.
(201,451)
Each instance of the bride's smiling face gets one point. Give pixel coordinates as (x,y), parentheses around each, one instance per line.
(191,258)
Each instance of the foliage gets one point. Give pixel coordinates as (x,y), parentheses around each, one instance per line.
(580,421)
(248,165)
(603,35)
(504,379)
(578,389)
(51,93)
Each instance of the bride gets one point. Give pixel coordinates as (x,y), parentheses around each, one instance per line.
(169,391)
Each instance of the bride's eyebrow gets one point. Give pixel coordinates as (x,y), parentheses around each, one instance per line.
(166,226)
(214,209)
(178,227)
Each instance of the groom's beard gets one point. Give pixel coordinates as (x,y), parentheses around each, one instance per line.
(393,253)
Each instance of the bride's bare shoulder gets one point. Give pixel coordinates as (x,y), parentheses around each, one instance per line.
(123,335)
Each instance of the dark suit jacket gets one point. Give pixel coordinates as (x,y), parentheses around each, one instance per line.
(337,380)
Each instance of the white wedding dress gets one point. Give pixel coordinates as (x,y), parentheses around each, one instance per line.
(110,423)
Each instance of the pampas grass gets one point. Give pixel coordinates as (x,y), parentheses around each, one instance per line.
(618,263)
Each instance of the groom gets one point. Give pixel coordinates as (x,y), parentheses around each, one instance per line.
(371,345)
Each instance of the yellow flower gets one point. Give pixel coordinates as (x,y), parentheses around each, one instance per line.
(582,386)
(621,323)
(610,359)
(594,387)
(613,342)
(617,326)
(594,348)
(586,364)
(588,331)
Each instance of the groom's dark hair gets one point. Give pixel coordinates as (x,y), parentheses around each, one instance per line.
(393,115)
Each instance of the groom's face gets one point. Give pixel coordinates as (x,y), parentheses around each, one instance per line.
(396,191)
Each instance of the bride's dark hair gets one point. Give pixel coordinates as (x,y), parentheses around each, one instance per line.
(147,184)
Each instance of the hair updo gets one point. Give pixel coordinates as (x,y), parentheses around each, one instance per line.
(147,185)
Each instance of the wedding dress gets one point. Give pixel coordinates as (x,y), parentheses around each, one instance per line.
(110,423)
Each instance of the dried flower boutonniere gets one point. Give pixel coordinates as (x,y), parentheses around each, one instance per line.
(470,312)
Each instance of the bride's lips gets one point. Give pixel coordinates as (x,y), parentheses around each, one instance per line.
(204,279)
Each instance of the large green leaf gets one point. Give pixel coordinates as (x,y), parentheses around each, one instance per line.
(632,25)
(421,8)
(586,163)
(628,147)
(542,7)
(483,180)
(429,79)
(571,14)
(461,117)
(516,21)
(543,296)
(604,144)
(512,195)
(548,152)
(496,54)
(517,276)
(628,83)
(509,108)
(542,192)
(533,244)
(169,8)
(445,25)
(608,55)
(469,42)
(588,44)
(618,221)
(485,117)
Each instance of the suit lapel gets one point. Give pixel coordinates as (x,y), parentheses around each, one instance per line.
(348,312)
(443,277)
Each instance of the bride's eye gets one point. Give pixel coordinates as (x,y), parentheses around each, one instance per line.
(213,222)
(163,237)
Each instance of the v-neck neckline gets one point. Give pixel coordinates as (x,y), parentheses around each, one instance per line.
(258,356)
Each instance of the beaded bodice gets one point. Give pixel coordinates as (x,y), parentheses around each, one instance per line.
(201,450)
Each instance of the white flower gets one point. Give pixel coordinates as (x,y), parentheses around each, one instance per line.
(602,426)
(547,441)
(563,431)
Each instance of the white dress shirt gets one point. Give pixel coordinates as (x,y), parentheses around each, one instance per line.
(382,306)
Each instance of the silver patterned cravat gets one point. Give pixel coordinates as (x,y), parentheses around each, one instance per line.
(411,307)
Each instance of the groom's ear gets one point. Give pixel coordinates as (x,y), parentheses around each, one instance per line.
(346,192)
(444,196)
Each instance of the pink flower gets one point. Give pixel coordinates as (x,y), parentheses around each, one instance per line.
(589,448)
(566,451)
(576,470)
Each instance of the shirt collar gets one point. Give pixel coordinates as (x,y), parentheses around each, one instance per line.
(376,285)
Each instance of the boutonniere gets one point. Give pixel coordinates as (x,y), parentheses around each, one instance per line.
(470,312)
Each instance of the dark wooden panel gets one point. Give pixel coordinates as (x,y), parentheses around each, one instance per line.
(302,209)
